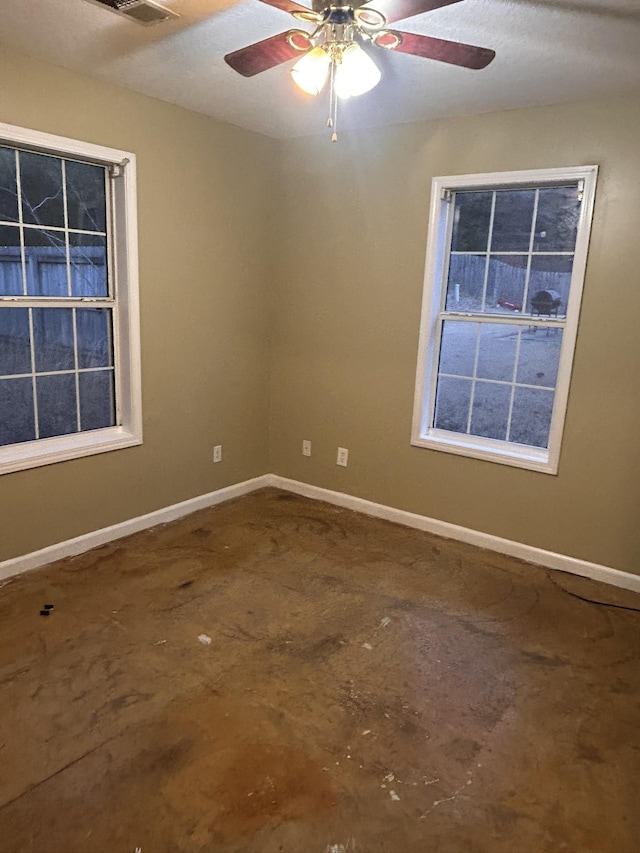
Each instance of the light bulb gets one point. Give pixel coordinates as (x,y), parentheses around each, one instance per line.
(310,71)
(356,74)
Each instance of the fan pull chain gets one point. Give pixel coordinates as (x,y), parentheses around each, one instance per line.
(332,121)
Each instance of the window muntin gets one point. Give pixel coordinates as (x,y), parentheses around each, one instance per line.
(504,275)
(69,347)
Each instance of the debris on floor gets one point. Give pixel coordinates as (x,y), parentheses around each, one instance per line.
(281,737)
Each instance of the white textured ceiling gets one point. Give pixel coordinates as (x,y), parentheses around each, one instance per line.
(548,51)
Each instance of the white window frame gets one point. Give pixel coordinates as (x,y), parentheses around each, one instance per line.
(433,315)
(123,262)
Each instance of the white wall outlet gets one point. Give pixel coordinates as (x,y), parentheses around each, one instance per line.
(343,457)
(217,453)
(306,448)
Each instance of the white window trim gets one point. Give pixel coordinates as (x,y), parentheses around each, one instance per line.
(126,331)
(503,452)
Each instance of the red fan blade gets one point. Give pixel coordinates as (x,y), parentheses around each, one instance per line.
(398,10)
(287,6)
(262,55)
(454,52)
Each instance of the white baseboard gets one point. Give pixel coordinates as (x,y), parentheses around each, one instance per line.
(538,556)
(531,554)
(87,541)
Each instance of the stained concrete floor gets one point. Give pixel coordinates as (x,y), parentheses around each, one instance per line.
(366,688)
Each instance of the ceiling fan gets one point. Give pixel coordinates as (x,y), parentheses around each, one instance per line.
(338,47)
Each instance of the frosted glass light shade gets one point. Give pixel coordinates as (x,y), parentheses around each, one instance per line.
(356,74)
(311,70)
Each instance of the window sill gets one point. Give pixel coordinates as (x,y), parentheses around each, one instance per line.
(47,451)
(516,455)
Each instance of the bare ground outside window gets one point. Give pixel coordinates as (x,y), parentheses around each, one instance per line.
(497,381)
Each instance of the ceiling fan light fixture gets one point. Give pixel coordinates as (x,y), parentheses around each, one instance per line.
(336,51)
(311,71)
(356,74)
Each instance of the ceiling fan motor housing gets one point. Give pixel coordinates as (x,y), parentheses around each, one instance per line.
(339,16)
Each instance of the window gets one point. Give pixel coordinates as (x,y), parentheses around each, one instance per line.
(69,339)
(505,267)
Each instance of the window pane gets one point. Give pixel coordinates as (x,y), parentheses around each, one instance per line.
(497,353)
(93,330)
(490,413)
(505,283)
(42,197)
(466,282)
(472,217)
(97,407)
(539,357)
(16,411)
(458,348)
(53,339)
(452,404)
(56,404)
(531,417)
(10,261)
(512,221)
(88,255)
(549,284)
(86,207)
(8,186)
(15,347)
(46,258)
(557,220)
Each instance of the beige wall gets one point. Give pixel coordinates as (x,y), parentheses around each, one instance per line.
(348,302)
(204,194)
(321,270)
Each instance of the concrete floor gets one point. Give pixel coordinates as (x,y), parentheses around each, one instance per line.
(367,688)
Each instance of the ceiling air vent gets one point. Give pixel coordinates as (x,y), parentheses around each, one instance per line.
(142,11)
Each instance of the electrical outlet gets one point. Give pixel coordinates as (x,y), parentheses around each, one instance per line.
(306,448)
(217,453)
(343,457)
